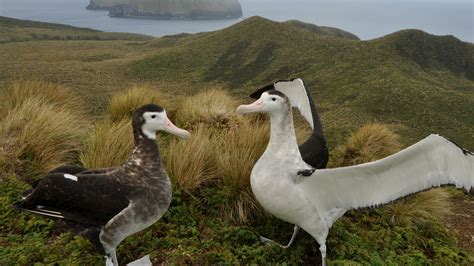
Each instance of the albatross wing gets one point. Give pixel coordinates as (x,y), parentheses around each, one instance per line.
(86,199)
(431,162)
(313,150)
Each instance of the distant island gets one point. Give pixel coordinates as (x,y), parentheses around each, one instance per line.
(170,9)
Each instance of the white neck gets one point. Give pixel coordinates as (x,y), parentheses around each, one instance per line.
(149,134)
(282,134)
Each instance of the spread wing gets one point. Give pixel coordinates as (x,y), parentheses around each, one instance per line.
(299,97)
(431,162)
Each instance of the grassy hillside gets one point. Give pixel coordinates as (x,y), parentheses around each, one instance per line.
(329,31)
(16,30)
(410,81)
(419,81)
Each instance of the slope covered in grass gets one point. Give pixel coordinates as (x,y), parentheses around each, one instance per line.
(419,81)
(329,31)
(16,30)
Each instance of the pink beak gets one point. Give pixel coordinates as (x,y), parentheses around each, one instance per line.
(250,108)
(171,128)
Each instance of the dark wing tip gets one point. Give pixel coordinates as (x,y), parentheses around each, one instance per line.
(464,150)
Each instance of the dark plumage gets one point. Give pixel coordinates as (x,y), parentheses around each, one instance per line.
(111,203)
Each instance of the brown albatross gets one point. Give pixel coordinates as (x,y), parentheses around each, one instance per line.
(111,204)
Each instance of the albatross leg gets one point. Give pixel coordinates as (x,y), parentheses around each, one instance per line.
(111,259)
(322,249)
(296,229)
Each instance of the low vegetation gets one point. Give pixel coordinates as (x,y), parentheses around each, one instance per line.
(214,217)
(367,144)
(37,135)
(123,103)
(15,30)
(212,107)
(189,163)
(108,145)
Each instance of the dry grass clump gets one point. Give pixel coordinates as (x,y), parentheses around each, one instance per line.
(108,145)
(36,137)
(189,163)
(20,91)
(122,103)
(213,107)
(371,142)
(423,207)
(238,151)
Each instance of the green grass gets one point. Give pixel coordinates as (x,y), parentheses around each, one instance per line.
(329,31)
(15,30)
(421,82)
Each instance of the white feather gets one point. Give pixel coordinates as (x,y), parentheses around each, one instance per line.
(431,162)
(72,177)
(296,92)
(46,213)
(144,261)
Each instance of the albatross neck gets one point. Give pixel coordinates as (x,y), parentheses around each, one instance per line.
(282,133)
(145,149)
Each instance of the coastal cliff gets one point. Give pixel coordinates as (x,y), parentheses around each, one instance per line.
(177,9)
(105,4)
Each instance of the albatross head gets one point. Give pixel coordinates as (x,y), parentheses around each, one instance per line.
(151,118)
(271,101)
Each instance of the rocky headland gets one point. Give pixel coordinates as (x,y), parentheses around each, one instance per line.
(170,9)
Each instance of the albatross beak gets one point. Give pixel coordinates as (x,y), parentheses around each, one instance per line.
(250,108)
(171,128)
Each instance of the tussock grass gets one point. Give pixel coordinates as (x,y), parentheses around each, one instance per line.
(238,151)
(20,91)
(189,163)
(213,107)
(36,137)
(423,207)
(123,102)
(371,142)
(109,144)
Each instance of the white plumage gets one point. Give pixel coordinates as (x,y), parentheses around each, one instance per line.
(296,93)
(315,201)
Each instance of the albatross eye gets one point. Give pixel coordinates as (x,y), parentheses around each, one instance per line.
(274,99)
(153,116)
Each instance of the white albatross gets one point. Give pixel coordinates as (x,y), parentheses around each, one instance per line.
(293,191)
(314,150)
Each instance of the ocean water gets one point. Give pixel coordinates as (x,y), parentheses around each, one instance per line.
(367,19)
